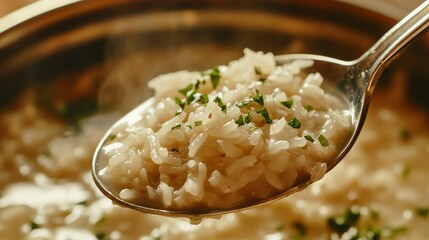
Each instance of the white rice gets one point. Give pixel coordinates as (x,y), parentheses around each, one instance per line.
(234,139)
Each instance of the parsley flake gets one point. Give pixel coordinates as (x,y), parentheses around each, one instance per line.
(288,103)
(323,141)
(261,77)
(198,123)
(309,108)
(111,137)
(215,77)
(309,138)
(264,113)
(258,98)
(422,212)
(294,123)
(191,97)
(177,126)
(220,104)
(34,225)
(185,90)
(204,99)
(179,102)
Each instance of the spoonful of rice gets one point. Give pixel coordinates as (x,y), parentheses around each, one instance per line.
(244,134)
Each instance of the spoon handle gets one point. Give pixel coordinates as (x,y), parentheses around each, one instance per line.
(385,50)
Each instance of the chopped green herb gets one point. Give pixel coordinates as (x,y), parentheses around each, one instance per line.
(375,215)
(423,211)
(247,117)
(198,123)
(389,232)
(100,236)
(215,77)
(308,108)
(243,120)
(191,97)
(300,228)
(288,103)
(177,126)
(83,203)
(405,134)
(294,123)
(264,113)
(406,170)
(189,126)
(258,98)
(257,70)
(204,99)
(240,121)
(197,84)
(262,77)
(185,90)
(112,137)
(309,138)
(343,222)
(180,102)
(34,225)
(323,141)
(220,104)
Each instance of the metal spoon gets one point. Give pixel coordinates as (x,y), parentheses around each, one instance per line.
(355,80)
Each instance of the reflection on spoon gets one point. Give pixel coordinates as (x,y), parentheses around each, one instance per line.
(245,134)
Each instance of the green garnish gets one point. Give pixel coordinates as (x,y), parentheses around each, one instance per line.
(374,214)
(257,70)
(309,138)
(294,123)
(258,98)
(390,232)
(406,170)
(300,228)
(264,113)
(198,123)
(204,99)
(191,97)
(197,84)
(100,236)
(112,137)
(405,134)
(177,126)
(185,90)
(262,77)
(83,203)
(423,211)
(346,226)
(243,120)
(34,225)
(215,77)
(180,102)
(240,121)
(342,223)
(220,104)
(288,103)
(308,108)
(323,141)
(247,117)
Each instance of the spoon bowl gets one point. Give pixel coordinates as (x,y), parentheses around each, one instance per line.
(354,80)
